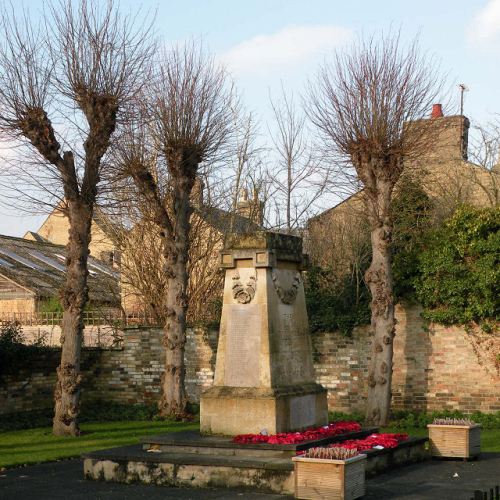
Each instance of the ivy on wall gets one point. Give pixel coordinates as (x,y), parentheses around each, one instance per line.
(412,214)
(459,269)
(332,308)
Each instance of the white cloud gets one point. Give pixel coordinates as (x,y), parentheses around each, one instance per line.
(485,25)
(291,46)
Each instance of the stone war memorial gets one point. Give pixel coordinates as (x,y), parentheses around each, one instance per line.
(264,375)
(264,407)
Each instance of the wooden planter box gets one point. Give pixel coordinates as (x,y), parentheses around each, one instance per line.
(461,441)
(329,479)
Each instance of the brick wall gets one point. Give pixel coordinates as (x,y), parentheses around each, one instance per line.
(341,365)
(434,368)
(444,367)
(31,389)
(127,374)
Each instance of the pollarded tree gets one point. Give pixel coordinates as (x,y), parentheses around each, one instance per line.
(79,68)
(187,120)
(363,103)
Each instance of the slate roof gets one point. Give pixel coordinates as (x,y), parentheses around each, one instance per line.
(40,268)
(221,220)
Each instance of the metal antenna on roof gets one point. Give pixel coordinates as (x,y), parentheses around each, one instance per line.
(463,88)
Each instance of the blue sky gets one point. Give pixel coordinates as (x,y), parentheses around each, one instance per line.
(266,42)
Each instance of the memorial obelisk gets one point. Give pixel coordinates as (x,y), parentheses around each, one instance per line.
(264,375)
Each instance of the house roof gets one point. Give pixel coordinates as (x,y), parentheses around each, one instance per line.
(349,199)
(221,220)
(31,235)
(39,267)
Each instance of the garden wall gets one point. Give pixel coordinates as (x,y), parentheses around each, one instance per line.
(129,373)
(434,368)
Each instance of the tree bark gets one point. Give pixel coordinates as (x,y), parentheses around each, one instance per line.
(173,400)
(380,281)
(74,296)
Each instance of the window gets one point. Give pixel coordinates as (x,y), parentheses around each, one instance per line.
(4,263)
(47,260)
(21,260)
(102,268)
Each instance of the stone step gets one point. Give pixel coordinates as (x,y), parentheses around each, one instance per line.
(414,449)
(195,443)
(264,473)
(133,464)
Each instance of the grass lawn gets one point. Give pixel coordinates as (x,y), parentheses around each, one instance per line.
(39,445)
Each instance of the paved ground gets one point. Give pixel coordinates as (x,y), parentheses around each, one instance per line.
(428,480)
(434,479)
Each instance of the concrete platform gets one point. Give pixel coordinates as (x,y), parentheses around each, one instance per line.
(194,442)
(190,460)
(132,464)
(408,452)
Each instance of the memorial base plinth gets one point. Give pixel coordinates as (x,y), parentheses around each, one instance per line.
(238,410)
(187,459)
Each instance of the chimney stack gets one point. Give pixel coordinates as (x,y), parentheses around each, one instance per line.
(437,111)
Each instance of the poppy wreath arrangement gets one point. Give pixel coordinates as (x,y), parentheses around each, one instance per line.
(332,429)
(372,441)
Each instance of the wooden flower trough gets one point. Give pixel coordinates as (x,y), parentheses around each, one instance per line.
(455,441)
(317,478)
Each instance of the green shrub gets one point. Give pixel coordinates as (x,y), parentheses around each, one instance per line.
(332,308)
(14,353)
(92,411)
(407,419)
(412,215)
(26,419)
(460,269)
(50,305)
(95,411)
(335,416)
(109,411)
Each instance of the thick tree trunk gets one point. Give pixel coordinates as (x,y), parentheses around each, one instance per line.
(173,400)
(74,297)
(380,281)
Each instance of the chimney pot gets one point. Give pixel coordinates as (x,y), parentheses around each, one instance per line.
(437,111)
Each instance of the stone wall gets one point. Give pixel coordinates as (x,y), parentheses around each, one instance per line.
(93,335)
(434,368)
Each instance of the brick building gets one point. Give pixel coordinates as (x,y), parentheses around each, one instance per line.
(445,174)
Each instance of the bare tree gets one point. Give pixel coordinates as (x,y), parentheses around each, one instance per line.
(297,177)
(485,153)
(83,65)
(189,105)
(244,154)
(339,242)
(362,104)
(144,283)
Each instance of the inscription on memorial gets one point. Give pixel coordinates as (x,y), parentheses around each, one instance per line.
(243,346)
